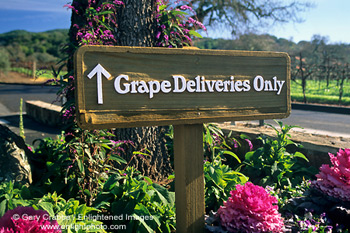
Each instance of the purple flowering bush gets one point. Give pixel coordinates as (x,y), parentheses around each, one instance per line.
(28,220)
(80,164)
(250,209)
(334,180)
(176,24)
(100,21)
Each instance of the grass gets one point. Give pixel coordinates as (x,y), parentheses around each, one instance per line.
(44,74)
(318,92)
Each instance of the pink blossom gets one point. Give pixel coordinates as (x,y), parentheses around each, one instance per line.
(250,209)
(158,34)
(28,220)
(166,37)
(250,144)
(119,3)
(335,181)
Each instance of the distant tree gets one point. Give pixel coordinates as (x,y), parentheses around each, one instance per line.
(4,61)
(326,57)
(343,73)
(303,70)
(240,15)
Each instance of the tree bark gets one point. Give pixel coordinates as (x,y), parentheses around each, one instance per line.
(136,27)
(136,24)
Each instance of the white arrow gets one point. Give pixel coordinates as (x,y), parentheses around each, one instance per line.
(99,70)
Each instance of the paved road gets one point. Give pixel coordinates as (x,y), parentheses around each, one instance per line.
(332,124)
(10,96)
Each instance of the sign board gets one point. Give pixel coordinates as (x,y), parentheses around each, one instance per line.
(134,86)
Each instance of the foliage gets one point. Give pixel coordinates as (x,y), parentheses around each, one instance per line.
(81,165)
(243,15)
(250,209)
(215,144)
(21,45)
(335,181)
(4,60)
(313,223)
(11,196)
(286,195)
(143,206)
(272,165)
(219,180)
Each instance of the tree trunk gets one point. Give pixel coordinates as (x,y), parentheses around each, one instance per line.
(136,27)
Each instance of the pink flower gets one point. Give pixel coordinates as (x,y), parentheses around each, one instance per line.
(250,209)
(28,220)
(250,144)
(118,2)
(335,181)
(158,34)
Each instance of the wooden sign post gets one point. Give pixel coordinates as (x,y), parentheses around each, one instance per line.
(134,86)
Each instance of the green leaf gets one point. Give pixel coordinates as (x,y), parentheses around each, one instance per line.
(300,155)
(249,155)
(105,146)
(81,166)
(48,207)
(163,194)
(175,13)
(162,7)
(274,167)
(196,34)
(232,154)
(3,208)
(142,211)
(117,158)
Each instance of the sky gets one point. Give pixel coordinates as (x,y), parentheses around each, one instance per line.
(328,18)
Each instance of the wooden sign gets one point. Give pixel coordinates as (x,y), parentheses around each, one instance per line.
(134,86)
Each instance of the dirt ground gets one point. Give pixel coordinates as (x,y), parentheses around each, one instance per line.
(14,77)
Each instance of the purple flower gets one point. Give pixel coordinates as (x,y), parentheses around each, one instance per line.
(28,220)
(250,209)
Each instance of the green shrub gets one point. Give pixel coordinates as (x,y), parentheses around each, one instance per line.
(143,206)
(70,215)
(11,196)
(273,165)
(219,179)
(78,167)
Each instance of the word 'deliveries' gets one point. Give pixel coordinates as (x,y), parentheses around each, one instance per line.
(199,84)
